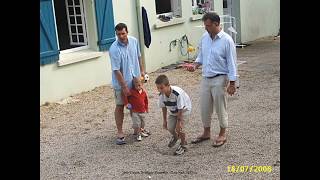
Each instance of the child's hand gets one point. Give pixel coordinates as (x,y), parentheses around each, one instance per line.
(129,106)
(164,125)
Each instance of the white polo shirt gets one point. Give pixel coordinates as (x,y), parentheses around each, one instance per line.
(178,99)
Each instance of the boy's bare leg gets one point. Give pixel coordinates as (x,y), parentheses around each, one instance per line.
(136,131)
(182,137)
(180,132)
(142,126)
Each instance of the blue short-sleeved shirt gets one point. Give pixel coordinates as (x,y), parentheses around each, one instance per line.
(126,59)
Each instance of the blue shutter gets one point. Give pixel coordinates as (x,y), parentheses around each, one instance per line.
(49,52)
(105,23)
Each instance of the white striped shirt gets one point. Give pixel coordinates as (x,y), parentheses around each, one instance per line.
(178,99)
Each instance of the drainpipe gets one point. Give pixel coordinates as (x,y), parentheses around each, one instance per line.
(140,32)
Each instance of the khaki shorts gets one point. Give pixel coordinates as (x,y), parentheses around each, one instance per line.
(172,122)
(138,120)
(118,97)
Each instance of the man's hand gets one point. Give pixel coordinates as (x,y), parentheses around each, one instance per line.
(122,83)
(164,125)
(142,73)
(231,89)
(126,91)
(192,68)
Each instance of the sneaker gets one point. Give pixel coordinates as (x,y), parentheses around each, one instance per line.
(180,150)
(172,141)
(145,133)
(139,138)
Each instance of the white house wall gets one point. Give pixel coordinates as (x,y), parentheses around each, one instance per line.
(259,19)
(158,55)
(59,82)
(125,12)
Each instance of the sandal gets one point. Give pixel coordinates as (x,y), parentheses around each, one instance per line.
(199,140)
(120,141)
(219,143)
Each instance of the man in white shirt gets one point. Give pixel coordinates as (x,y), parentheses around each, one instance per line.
(217,55)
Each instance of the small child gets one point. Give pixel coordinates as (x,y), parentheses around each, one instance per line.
(178,103)
(137,102)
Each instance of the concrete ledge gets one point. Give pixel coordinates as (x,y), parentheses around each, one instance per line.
(78,56)
(174,21)
(196,17)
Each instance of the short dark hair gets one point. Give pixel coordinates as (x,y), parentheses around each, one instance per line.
(162,79)
(214,17)
(120,26)
(136,79)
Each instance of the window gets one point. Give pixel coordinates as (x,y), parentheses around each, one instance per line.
(200,1)
(63,28)
(77,26)
(163,6)
(168,7)
(201,6)
(225,4)
(71,24)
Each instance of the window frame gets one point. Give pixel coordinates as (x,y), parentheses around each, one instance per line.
(100,35)
(170,13)
(83,20)
(195,4)
(74,49)
(83,47)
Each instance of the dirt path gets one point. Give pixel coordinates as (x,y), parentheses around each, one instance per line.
(77,139)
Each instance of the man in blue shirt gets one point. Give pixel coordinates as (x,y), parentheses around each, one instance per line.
(217,55)
(126,63)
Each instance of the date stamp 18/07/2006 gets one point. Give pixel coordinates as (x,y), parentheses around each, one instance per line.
(242,169)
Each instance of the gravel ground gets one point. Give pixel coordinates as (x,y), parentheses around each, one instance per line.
(77,135)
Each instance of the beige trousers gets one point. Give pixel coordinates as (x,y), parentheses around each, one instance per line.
(138,120)
(213,95)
